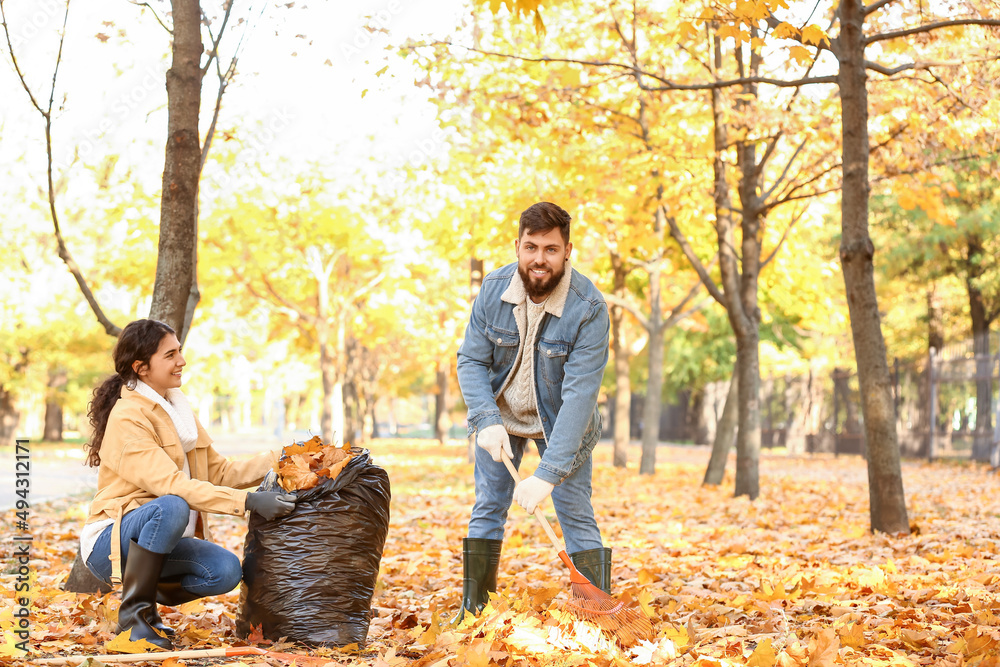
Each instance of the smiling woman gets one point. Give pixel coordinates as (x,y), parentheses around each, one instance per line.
(158,478)
(163,371)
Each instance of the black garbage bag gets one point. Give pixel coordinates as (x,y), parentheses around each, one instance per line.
(310,576)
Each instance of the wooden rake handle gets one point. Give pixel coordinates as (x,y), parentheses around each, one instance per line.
(192,654)
(152,657)
(575,576)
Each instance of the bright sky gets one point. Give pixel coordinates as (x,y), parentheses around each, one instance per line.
(306,106)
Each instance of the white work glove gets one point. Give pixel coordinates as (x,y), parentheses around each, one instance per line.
(493,439)
(530,492)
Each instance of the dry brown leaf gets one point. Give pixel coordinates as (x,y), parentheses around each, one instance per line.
(823,648)
(809,548)
(310,446)
(305,465)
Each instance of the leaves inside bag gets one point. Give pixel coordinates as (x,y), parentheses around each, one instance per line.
(304,464)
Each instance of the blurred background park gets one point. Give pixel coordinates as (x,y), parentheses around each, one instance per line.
(360,166)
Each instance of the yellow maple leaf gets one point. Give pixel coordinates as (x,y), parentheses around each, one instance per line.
(476,655)
(813,34)
(645,600)
(9,648)
(800,54)
(763,655)
(687,30)
(852,635)
(785,31)
(678,635)
(729,30)
(123,643)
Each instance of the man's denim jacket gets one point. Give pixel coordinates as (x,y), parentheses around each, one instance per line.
(570,355)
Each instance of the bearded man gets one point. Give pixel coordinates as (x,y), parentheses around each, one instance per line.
(530,368)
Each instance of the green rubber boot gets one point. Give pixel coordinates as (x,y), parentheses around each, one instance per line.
(480,561)
(595,564)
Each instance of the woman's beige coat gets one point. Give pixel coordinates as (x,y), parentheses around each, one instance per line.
(142,459)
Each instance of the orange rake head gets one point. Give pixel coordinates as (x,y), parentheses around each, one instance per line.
(624,621)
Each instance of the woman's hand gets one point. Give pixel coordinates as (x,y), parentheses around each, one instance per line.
(271,505)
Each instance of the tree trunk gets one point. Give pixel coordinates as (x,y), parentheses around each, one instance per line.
(623,381)
(981,348)
(748,434)
(441,401)
(885,480)
(53,422)
(331,388)
(175,270)
(725,433)
(10,417)
(744,314)
(53,407)
(935,321)
(696,425)
(371,421)
(654,384)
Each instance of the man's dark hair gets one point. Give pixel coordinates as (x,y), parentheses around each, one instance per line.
(542,217)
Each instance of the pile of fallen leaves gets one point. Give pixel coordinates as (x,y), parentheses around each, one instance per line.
(792,579)
(302,465)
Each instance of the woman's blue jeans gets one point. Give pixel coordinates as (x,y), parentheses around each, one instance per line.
(204,568)
(571,500)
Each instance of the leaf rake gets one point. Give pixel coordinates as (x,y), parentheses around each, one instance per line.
(626,622)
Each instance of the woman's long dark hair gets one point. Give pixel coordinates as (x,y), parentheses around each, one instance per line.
(138,341)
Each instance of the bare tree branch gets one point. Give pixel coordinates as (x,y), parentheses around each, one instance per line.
(677,313)
(696,263)
(677,316)
(741,81)
(13,59)
(784,172)
(875,6)
(282,301)
(667,83)
(214,53)
(224,78)
(614,300)
(155,15)
(781,241)
(924,65)
(928,27)
(64,254)
(940,163)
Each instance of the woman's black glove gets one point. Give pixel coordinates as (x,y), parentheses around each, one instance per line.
(270,504)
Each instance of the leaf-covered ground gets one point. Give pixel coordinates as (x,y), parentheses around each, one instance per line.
(793,578)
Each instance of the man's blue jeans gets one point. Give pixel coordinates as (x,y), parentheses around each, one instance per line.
(571,500)
(205,568)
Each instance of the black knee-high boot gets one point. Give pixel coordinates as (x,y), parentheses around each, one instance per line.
(138,608)
(480,561)
(169,592)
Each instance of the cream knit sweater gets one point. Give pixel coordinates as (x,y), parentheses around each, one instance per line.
(517,403)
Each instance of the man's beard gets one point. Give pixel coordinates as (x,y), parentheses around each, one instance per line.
(539,288)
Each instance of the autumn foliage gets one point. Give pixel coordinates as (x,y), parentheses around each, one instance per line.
(794,578)
(304,464)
